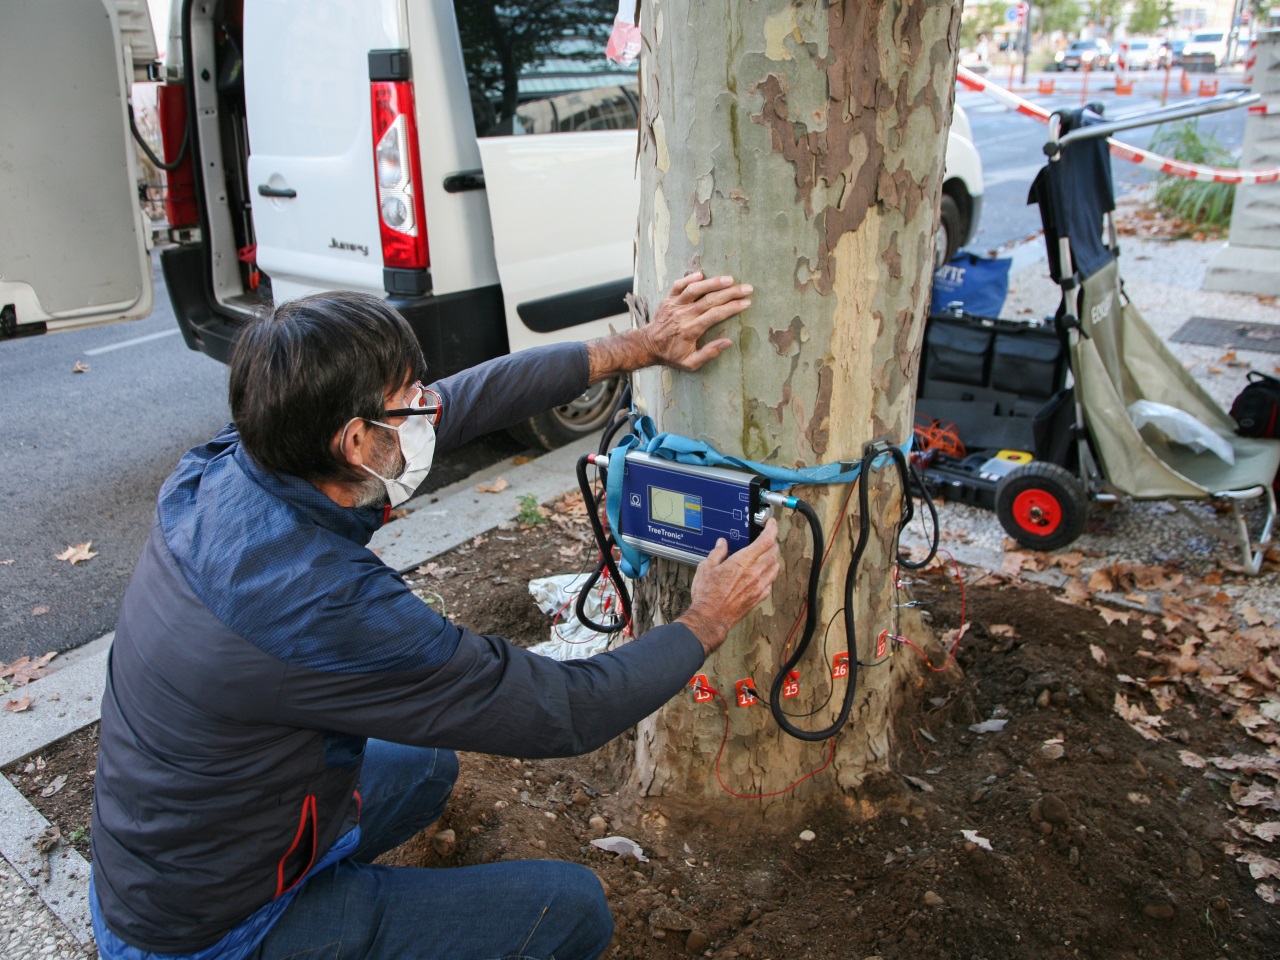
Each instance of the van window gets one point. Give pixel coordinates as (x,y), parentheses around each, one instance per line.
(535,67)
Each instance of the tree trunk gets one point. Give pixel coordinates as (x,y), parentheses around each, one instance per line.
(799,147)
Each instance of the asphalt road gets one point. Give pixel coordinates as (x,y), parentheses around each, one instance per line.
(84,454)
(1010,145)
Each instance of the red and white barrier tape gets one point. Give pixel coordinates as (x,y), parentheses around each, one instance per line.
(1143,158)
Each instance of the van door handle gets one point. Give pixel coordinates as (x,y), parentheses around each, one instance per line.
(463,181)
(266,191)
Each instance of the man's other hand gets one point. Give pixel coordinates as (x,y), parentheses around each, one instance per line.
(726,588)
(693,307)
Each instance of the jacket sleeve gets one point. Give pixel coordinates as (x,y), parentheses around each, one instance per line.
(507,390)
(493,697)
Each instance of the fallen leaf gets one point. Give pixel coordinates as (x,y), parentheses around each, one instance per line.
(1112,616)
(80,367)
(497,486)
(17,706)
(479,541)
(1263,831)
(78,553)
(434,569)
(1213,368)
(923,785)
(23,670)
(1100,582)
(1013,562)
(6,563)
(1192,760)
(39,611)
(972,837)
(56,784)
(1003,630)
(1143,723)
(398,514)
(1260,867)
(1268,891)
(988,726)
(521,459)
(1099,655)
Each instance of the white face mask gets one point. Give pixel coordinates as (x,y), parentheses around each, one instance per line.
(417,445)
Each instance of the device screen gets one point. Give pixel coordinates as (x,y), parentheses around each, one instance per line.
(675,509)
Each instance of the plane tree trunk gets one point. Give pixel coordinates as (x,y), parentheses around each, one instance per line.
(799,147)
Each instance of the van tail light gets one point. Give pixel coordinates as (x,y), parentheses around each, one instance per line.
(180,192)
(398,175)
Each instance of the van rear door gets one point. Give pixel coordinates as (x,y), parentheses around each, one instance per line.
(73,237)
(311,178)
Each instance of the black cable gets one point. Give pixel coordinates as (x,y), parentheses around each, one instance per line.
(146,148)
(606,544)
(907,471)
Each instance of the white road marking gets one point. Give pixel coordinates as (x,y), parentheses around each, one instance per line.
(131,343)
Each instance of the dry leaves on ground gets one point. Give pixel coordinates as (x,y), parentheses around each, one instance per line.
(80,367)
(78,554)
(25,669)
(494,486)
(1200,646)
(18,706)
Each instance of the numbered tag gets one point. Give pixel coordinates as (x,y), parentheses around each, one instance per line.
(701,689)
(840,666)
(792,685)
(746,692)
(882,643)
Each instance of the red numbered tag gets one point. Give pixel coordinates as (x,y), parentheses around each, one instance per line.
(840,666)
(882,643)
(701,689)
(792,685)
(746,692)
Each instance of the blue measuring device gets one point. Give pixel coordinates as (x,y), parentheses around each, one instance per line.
(679,510)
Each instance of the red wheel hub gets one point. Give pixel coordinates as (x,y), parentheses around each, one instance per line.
(1037,511)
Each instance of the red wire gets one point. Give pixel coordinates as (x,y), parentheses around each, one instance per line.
(959,630)
(758,796)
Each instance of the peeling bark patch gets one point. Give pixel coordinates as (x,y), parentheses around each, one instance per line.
(892,258)
(784,341)
(777,28)
(819,429)
(908,31)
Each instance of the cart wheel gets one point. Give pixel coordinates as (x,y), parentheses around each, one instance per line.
(1042,506)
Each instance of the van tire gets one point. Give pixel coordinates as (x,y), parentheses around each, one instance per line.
(951,231)
(571,421)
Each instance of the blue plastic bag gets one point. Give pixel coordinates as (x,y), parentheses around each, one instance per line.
(979,284)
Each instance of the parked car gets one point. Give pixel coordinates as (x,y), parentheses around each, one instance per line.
(1144,53)
(1089,54)
(384,146)
(1206,50)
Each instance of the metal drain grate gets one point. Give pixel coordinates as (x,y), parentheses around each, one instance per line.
(1215,332)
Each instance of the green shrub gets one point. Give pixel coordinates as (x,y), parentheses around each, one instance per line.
(1199,204)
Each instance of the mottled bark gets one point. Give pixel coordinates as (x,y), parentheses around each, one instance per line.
(799,147)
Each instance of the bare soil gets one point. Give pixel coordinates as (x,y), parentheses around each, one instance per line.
(1127,802)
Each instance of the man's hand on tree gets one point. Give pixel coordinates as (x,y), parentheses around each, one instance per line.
(693,307)
(726,588)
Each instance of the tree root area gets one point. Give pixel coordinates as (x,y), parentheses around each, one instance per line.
(1103,844)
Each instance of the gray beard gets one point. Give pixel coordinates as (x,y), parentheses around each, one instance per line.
(372,492)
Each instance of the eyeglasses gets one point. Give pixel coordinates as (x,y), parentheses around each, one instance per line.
(418,405)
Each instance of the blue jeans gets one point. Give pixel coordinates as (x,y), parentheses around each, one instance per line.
(519,910)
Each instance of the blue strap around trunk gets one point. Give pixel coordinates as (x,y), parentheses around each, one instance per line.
(678,449)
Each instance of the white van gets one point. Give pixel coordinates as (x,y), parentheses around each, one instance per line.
(483,182)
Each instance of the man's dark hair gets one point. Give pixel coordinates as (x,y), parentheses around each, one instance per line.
(299,374)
